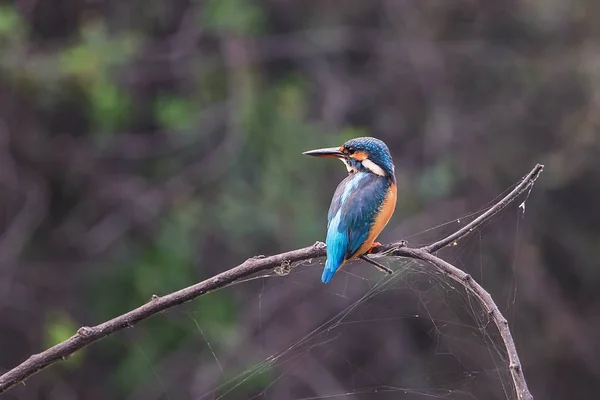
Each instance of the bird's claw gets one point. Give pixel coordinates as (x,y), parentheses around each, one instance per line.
(374,247)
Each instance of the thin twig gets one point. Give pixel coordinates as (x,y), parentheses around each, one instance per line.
(525,183)
(377,265)
(88,335)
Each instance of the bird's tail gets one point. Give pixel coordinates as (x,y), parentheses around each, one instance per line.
(331,267)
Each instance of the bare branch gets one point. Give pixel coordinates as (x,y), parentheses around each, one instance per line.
(514,364)
(88,335)
(525,183)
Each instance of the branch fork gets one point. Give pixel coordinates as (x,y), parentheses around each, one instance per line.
(88,335)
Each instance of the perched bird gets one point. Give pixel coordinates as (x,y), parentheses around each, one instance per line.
(363,202)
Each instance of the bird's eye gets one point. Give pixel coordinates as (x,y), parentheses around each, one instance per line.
(350,150)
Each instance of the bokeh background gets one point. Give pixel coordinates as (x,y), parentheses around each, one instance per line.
(147,145)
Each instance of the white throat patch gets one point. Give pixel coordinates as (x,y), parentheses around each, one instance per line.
(350,168)
(374,168)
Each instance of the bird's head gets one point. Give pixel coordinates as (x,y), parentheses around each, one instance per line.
(363,154)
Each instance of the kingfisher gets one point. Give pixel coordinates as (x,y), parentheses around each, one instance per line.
(362,204)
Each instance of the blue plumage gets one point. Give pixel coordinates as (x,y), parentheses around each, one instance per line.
(353,209)
(363,202)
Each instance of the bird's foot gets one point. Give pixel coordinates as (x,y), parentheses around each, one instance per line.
(374,246)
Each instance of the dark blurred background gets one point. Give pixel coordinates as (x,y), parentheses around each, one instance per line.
(147,145)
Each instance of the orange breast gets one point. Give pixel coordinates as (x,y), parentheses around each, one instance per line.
(381,220)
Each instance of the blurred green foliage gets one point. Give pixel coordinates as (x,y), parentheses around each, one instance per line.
(58,328)
(241,17)
(183,124)
(175,114)
(97,53)
(10,23)
(278,196)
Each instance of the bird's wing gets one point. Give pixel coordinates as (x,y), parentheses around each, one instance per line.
(360,210)
(351,214)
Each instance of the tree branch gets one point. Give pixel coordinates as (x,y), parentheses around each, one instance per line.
(87,335)
(525,184)
(514,364)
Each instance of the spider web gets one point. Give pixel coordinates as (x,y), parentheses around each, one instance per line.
(416,334)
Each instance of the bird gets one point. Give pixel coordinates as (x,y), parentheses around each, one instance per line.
(362,204)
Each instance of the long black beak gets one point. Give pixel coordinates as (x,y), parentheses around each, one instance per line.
(330,152)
